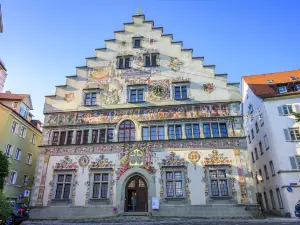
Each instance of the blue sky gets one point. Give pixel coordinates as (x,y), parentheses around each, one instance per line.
(44,40)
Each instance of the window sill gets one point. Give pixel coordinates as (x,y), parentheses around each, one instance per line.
(99,199)
(181,99)
(90,105)
(151,66)
(61,200)
(137,102)
(125,68)
(175,198)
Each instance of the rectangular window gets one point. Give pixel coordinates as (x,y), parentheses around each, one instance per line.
(218,183)
(279,198)
(260,175)
(282,89)
(123,62)
(23,111)
(252,133)
(85,139)
(153,133)
(9,150)
(178,131)
(137,43)
(286,110)
(256,127)
(78,137)
(29,159)
(272,168)
(94,136)
(62,138)
(297,157)
(161,133)
(14,127)
(215,129)
(256,154)
(266,201)
(15,106)
(145,133)
(136,95)
(63,186)
(110,135)
(70,137)
(25,180)
(90,99)
(55,138)
(18,154)
(33,138)
(13,177)
(181,92)
(171,132)
(102,135)
(188,131)
(206,130)
(23,131)
(249,139)
(297,87)
(151,60)
(252,155)
(100,185)
(294,134)
(266,142)
(174,184)
(272,199)
(106,135)
(266,172)
(223,130)
(261,148)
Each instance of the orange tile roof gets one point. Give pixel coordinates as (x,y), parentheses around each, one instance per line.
(260,86)
(9,96)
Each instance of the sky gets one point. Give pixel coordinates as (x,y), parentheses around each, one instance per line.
(44,40)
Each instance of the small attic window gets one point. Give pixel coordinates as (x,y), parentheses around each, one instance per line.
(282,89)
(269,81)
(294,78)
(137,42)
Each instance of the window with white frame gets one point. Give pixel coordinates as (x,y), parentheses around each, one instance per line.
(136,94)
(25,180)
(90,98)
(295,162)
(9,150)
(174,184)
(24,110)
(218,182)
(174,132)
(285,110)
(29,159)
(266,201)
(266,142)
(18,154)
(153,133)
(282,89)
(180,92)
(13,177)
(14,127)
(151,59)
(272,168)
(123,62)
(100,185)
(55,138)
(63,186)
(192,130)
(215,130)
(294,134)
(23,131)
(33,139)
(106,135)
(280,203)
(137,42)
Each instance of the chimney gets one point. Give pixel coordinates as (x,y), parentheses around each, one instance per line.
(8,92)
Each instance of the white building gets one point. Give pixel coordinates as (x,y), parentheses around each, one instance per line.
(273,137)
(3,75)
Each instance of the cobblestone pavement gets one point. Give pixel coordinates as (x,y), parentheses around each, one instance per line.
(166,221)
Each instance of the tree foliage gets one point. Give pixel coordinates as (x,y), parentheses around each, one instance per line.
(5,207)
(297,115)
(4,169)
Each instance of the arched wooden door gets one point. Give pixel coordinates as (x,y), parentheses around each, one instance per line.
(136,193)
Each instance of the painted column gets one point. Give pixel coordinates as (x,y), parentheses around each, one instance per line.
(39,201)
(241,180)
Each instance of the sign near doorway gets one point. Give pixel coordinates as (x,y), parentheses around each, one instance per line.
(26,193)
(155,203)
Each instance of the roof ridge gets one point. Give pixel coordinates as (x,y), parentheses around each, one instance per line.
(263,74)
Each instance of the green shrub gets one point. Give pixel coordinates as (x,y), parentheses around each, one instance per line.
(5,207)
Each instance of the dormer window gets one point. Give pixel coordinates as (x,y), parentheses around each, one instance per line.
(269,81)
(137,43)
(90,99)
(294,78)
(297,87)
(282,89)
(123,62)
(151,60)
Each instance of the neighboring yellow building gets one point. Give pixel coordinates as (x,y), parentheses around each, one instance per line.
(19,140)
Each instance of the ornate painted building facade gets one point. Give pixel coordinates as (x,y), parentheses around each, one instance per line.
(143,127)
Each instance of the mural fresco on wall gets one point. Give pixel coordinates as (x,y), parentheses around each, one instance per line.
(175,64)
(154,146)
(101,163)
(215,158)
(172,160)
(66,164)
(194,157)
(158,90)
(99,74)
(135,155)
(209,87)
(69,97)
(144,114)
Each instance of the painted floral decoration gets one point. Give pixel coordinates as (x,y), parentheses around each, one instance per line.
(175,64)
(209,87)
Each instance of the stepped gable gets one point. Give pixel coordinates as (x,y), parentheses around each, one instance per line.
(102,75)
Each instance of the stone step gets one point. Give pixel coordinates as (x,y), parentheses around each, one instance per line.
(135,214)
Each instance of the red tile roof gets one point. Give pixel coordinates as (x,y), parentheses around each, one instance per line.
(260,86)
(9,96)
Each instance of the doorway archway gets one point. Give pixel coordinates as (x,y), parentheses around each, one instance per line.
(136,195)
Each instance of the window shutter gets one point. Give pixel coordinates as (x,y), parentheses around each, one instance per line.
(280,111)
(287,134)
(293,163)
(296,108)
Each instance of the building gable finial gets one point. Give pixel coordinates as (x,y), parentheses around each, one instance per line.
(138,10)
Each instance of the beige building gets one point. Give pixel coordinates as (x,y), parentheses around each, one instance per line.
(144,127)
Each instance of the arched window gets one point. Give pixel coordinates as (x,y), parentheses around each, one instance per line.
(126,131)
